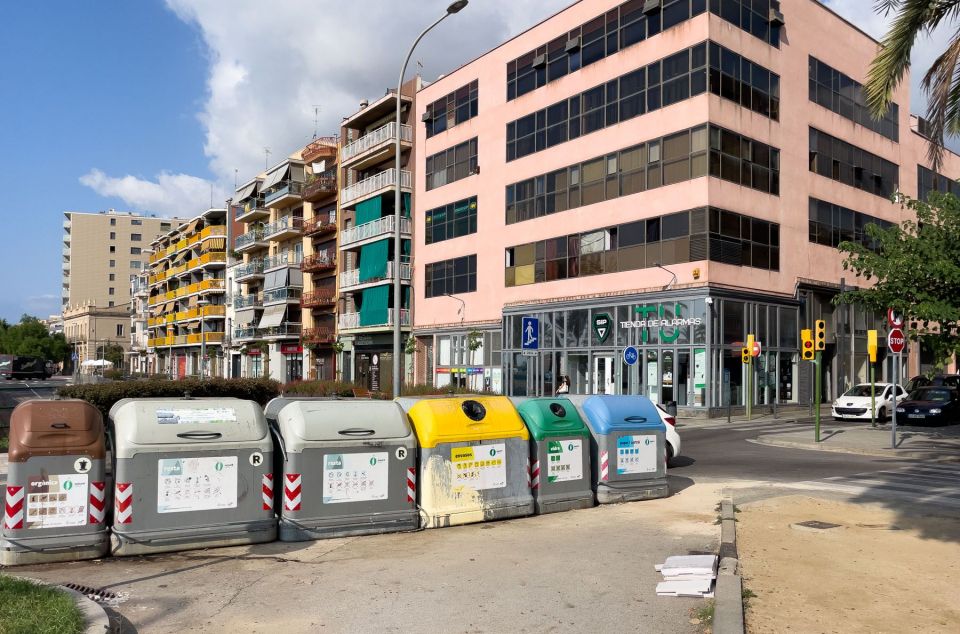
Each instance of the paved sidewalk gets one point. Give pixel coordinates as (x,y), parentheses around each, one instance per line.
(929,443)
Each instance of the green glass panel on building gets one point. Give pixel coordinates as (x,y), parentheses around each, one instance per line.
(369,210)
(373,260)
(375,305)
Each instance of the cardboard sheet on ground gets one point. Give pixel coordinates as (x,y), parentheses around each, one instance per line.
(678,565)
(688,588)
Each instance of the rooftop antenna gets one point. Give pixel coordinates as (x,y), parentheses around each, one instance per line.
(211,195)
(266,157)
(236,175)
(316,119)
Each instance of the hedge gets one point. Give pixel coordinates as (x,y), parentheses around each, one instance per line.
(346,390)
(104,395)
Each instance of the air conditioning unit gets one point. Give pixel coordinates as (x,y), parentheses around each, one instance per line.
(427,117)
(651,6)
(572,45)
(776,17)
(539,61)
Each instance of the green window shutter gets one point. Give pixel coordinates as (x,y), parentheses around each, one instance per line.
(374,305)
(405,205)
(373,260)
(369,210)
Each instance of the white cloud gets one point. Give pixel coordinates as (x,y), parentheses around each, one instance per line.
(179,195)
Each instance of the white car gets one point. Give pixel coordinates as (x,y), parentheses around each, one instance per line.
(855,403)
(673,438)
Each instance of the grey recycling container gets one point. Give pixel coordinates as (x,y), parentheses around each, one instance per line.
(559,453)
(627,447)
(56,492)
(474,459)
(191,473)
(345,467)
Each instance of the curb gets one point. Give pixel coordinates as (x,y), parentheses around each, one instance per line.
(95,617)
(728,602)
(879,453)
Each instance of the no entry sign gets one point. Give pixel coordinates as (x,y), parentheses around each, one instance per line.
(896,341)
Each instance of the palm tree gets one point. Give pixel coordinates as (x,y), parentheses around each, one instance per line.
(942,80)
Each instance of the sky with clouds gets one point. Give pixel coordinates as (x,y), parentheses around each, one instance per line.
(159,105)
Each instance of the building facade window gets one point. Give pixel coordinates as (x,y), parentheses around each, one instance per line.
(135,237)
(113,222)
(738,79)
(110,291)
(832,224)
(458,275)
(687,236)
(134,250)
(843,95)
(592,41)
(119,330)
(660,84)
(452,164)
(112,277)
(136,222)
(451,221)
(667,160)
(756,17)
(113,248)
(453,109)
(840,161)
(113,234)
(136,264)
(928,181)
(113,263)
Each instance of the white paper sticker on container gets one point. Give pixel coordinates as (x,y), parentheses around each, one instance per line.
(564,460)
(637,454)
(480,467)
(205,415)
(57,500)
(196,484)
(355,477)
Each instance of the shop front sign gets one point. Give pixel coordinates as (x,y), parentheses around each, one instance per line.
(654,316)
(602,325)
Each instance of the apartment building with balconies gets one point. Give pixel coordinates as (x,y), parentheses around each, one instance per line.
(187,298)
(267,279)
(319,265)
(368,264)
(138,358)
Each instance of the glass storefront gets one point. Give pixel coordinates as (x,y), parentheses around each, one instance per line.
(468,359)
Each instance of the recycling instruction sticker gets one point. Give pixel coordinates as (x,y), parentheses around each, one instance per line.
(564,460)
(202,415)
(637,454)
(196,484)
(57,500)
(480,467)
(355,477)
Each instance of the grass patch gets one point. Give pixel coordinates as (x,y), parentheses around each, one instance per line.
(745,595)
(28,608)
(702,616)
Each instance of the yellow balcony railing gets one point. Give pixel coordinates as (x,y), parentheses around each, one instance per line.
(208,311)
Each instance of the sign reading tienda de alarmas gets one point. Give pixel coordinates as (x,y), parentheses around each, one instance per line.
(655,317)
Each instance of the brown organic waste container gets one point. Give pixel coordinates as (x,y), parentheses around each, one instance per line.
(56,491)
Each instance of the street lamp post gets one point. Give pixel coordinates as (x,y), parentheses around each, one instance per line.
(203,303)
(397,206)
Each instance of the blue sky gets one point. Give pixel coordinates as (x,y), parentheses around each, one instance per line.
(144,105)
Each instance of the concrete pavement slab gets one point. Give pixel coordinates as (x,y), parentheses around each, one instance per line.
(912,442)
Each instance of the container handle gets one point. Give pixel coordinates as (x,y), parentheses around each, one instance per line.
(635,419)
(60,426)
(200,435)
(356,432)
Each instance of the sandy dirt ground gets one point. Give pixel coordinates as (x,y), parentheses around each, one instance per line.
(880,571)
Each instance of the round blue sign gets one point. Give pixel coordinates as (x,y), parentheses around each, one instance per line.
(631,355)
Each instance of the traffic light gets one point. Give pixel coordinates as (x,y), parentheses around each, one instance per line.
(745,355)
(872,345)
(820,337)
(806,344)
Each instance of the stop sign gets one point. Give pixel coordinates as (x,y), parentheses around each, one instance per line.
(756,349)
(896,341)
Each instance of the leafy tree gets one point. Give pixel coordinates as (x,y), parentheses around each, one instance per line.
(31,338)
(112,353)
(915,269)
(941,83)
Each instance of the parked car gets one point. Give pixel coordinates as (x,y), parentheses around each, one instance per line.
(854,404)
(931,404)
(23,367)
(673,438)
(949,380)
(6,366)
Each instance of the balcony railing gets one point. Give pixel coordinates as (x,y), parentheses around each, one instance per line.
(323,184)
(284,258)
(384,179)
(244,239)
(249,206)
(283,188)
(286,224)
(247,301)
(320,334)
(319,226)
(352,320)
(321,147)
(371,140)
(283,330)
(318,262)
(278,295)
(245,332)
(253,267)
(352,277)
(379,227)
(318,298)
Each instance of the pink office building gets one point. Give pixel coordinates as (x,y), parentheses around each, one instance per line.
(661,177)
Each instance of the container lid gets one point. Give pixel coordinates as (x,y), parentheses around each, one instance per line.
(550,417)
(464,418)
(49,427)
(339,420)
(608,413)
(168,421)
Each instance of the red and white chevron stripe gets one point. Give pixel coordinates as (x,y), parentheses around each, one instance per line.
(411,484)
(98,497)
(528,472)
(535,475)
(291,492)
(267,491)
(13,511)
(604,466)
(123,503)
